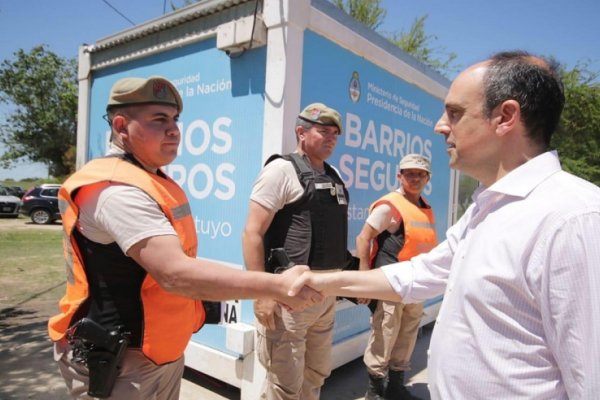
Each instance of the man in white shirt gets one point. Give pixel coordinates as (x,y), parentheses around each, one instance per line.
(520,271)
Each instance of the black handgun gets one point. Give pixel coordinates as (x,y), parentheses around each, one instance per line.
(279,260)
(101,351)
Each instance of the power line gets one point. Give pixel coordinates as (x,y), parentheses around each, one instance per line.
(118,12)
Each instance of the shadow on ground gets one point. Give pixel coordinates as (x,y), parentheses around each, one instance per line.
(27,368)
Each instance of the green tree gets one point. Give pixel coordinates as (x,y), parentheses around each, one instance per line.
(415,41)
(368,12)
(578,137)
(40,90)
(420,45)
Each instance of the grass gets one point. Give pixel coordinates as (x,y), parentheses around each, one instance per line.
(31,265)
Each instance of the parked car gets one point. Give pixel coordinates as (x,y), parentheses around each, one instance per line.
(40,203)
(17,191)
(9,204)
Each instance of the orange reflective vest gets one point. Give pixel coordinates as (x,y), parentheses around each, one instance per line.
(419,226)
(168,319)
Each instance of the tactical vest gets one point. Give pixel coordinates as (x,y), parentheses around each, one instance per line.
(416,234)
(105,285)
(313,229)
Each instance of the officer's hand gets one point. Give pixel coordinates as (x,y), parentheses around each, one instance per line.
(303,297)
(307,280)
(265,311)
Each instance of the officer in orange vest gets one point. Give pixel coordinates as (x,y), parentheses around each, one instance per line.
(400,225)
(134,284)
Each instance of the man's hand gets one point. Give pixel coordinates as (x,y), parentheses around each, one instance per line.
(304,296)
(307,280)
(265,310)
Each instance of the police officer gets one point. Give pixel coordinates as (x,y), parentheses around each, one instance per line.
(400,226)
(298,203)
(130,249)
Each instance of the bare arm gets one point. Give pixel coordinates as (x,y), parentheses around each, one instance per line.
(259,220)
(363,245)
(363,252)
(371,284)
(175,272)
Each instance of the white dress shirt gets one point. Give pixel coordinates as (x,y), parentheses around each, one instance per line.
(520,273)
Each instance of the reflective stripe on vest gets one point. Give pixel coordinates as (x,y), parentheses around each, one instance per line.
(169,319)
(419,226)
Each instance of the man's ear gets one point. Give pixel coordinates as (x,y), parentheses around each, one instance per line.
(508,116)
(300,132)
(119,124)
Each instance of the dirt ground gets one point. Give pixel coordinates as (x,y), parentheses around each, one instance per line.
(27,370)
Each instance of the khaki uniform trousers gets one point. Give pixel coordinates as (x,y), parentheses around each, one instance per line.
(393,336)
(297,353)
(139,379)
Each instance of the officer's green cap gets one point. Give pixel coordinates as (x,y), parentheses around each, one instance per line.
(152,90)
(319,113)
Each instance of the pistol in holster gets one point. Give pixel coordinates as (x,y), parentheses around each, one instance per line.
(278,260)
(101,350)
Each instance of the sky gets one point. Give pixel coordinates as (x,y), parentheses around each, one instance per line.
(472,29)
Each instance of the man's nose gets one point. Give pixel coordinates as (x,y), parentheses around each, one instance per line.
(173,130)
(442,126)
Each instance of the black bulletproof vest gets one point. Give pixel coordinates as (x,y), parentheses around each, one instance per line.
(115,282)
(313,230)
(388,247)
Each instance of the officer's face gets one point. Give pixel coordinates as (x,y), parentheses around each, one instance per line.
(413,180)
(319,141)
(151,134)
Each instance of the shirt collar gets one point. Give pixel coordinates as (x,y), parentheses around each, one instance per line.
(522,180)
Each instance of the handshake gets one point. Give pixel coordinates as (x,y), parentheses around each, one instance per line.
(298,287)
(295,278)
(296,294)
(305,288)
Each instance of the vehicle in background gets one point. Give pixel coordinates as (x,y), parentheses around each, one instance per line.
(17,191)
(40,203)
(9,204)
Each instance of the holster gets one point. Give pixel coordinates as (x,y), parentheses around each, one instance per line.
(101,350)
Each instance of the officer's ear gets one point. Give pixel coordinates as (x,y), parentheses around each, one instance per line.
(119,124)
(300,132)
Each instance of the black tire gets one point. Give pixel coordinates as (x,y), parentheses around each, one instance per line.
(41,216)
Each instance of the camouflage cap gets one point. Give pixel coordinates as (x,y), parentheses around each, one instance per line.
(415,161)
(319,113)
(152,90)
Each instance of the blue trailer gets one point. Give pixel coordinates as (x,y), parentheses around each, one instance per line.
(245,69)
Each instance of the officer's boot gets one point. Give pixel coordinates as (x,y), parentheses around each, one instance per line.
(395,388)
(375,389)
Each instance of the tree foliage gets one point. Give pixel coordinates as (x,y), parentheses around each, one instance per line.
(420,45)
(414,41)
(40,89)
(578,137)
(368,12)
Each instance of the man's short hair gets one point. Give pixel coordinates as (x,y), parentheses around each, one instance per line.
(534,82)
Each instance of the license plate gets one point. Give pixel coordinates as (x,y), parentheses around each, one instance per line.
(7,209)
